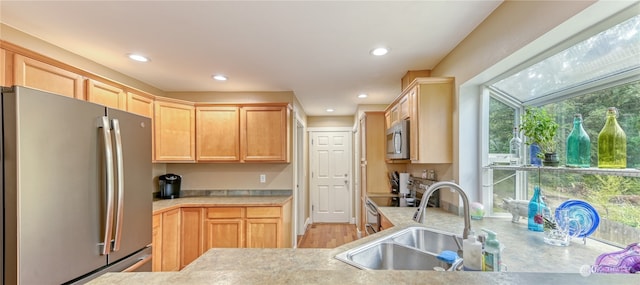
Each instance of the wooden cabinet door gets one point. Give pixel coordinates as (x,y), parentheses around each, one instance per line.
(264,227)
(39,75)
(385,223)
(414,123)
(224,227)
(224,233)
(156,243)
(171,240)
(395,114)
(264,233)
(191,235)
(4,67)
(218,133)
(373,173)
(264,133)
(404,108)
(140,103)
(433,134)
(174,125)
(387,119)
(105,94)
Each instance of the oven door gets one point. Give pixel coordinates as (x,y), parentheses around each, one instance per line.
(372,225)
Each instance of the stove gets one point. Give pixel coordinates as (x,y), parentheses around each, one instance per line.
(385,201)
(393,201)
(373,203)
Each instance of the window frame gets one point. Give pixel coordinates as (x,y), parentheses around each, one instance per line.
(487,92)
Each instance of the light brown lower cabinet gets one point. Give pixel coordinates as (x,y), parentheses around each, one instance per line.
(190,235)
(166,241)
(224,228)
(264,233)
(385,223)
(156,242)
(181,235)
(264,227)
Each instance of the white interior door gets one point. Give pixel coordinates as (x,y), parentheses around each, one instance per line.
(331,176)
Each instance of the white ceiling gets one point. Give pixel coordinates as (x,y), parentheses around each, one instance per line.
(317,49)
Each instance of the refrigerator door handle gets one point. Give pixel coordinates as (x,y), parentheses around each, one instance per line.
(115,124)
(103,123)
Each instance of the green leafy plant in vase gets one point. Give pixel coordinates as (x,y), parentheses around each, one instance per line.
(541,128)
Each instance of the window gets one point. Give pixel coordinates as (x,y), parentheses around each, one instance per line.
(600,72)
(502,118)
(611,52)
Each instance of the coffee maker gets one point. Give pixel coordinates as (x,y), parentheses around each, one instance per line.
(169,186)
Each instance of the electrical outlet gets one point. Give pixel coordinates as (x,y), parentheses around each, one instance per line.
(263,178)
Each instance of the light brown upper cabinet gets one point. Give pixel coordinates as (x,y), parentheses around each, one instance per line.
(42,76)
(140,103)
(431,120)
(372,154)
(3,68)
(398,112)
(174,125)
(264,133)
(242,133)
(105,94)
(218,133)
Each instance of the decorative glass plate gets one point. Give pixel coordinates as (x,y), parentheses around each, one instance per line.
(584,213)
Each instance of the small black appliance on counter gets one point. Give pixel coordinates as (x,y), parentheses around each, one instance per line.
(169,186)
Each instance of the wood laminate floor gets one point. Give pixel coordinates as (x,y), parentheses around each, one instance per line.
(328,235)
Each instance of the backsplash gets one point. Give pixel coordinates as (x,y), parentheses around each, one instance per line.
(230,193)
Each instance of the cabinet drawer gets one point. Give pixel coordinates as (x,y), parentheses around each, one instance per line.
(224,213)
(263,212)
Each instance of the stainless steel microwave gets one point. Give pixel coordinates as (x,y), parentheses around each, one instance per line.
(398,140)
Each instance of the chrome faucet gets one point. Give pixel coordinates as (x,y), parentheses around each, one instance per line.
(419,215)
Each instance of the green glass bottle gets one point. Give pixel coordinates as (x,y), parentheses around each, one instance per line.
(578,145)
(612,143)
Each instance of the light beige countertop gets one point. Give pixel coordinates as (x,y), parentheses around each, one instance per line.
(524,250)
(335,277)
(529,261)
(213,201)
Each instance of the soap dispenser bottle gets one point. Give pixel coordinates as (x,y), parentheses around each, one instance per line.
(472,253)
(492,257)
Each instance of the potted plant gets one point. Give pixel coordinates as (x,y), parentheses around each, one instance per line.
(540,128)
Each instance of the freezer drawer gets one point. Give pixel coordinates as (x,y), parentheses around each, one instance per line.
(138,262)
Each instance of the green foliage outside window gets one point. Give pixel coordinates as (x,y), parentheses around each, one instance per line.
(616,198)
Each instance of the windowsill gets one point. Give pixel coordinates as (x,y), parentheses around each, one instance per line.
(628,172)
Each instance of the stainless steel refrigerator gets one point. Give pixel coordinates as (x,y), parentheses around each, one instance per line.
(75,176)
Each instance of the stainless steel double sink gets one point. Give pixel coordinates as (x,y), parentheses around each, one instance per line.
(413,248)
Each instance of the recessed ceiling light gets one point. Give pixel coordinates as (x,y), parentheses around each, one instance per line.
(329,110)
(363,95)
(138,57)
(379,51)
(219,77)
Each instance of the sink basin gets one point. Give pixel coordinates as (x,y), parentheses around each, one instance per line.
(392,256)
(414,248)
(428,240)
